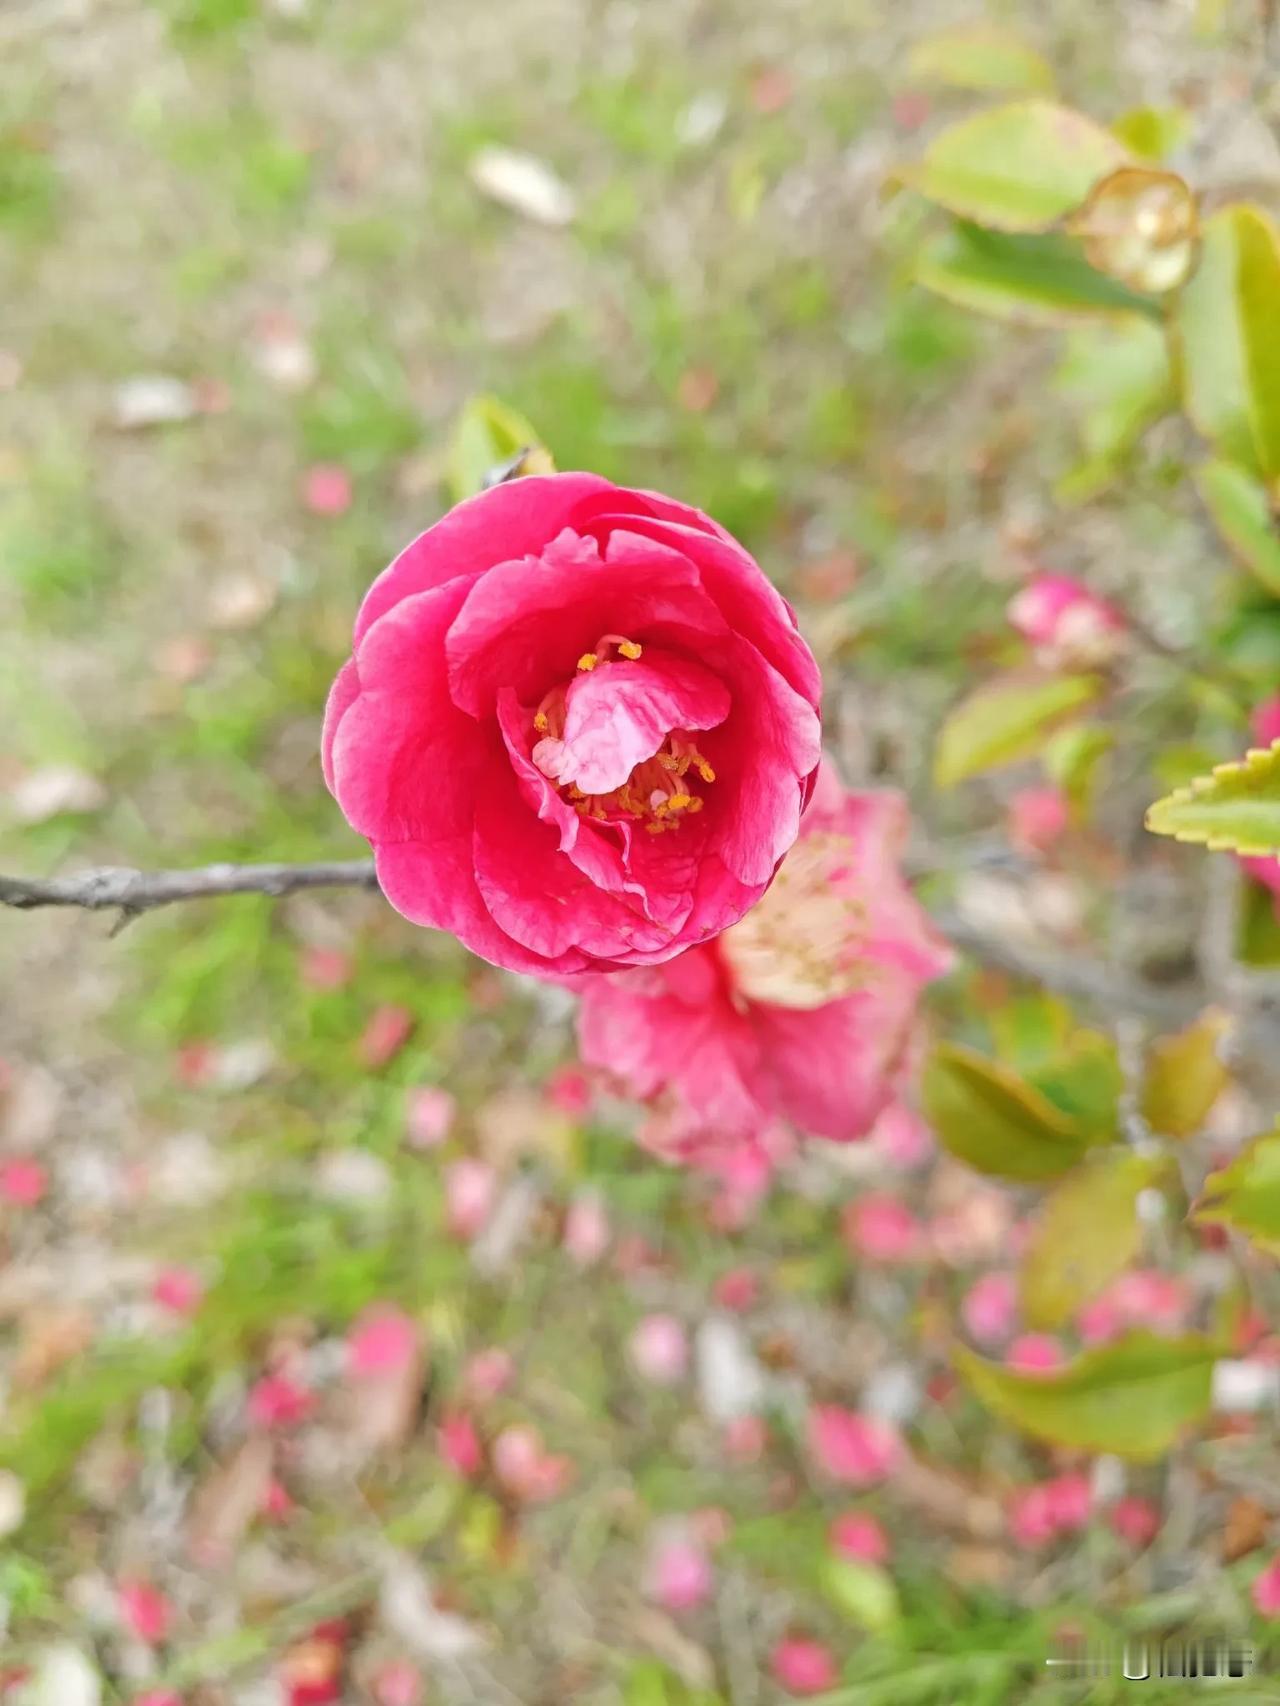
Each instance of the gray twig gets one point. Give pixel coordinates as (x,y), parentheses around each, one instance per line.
(131,892)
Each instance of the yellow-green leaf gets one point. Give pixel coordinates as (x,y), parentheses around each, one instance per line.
(1242,512)
(1185,1076)
(1086,1232)
(1245,1195)
(1234,809)
(1036,280)
(1152,132)
(864,1592)
(1119,375)
(1019,167)
(1132,1396)
(1006,720)
(1226,322)
(995,1121)
(1072,757)
(487,435)
(979,56)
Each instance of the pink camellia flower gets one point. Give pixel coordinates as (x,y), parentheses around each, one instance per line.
(1068,625)
(429,1116)
(1035,1353)
(803,1012)
(1265,1591)
(990,1307)
(1266,729)
(1142,1298)
(144,1611)
(279,1401)
(678,1574)
(854,1449)
(859,1537)
(460,1445)
(579,726)
(1135,1520)
(525,1469)
(1042,1513)
(659,1349)
(881,1228)
(178,1290)
(738,1289)
(470,1186)
(23,1182)
(383,1339)
(802,1666)
(1037,820)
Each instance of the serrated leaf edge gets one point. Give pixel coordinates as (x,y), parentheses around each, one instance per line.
(1203,785)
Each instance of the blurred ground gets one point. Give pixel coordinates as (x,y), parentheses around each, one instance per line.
(240,242)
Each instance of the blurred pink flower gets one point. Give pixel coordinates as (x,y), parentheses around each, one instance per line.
(383,1338)
(802,1012)
(990,1307)
(1135,1520)
(852,1448)
(327,489)
(586,1229)
(325,968)
(388,1030)
(429,1116)
(858,1536)
(902,1136)
(277,1501)
(144,1611)
(459,1445)
(678,1573)
(1265,1591)
(153,1697)
(1144,1297)
(1035,1353)
(1069,626)
(802,1666)
(1044,1512)
(398,1683)
(878,1227)
(178,1290)
(659,1348)
(547,688)
(279,1401)
(738,1290)
(525,1468)
(486,1374)
(470,1187)
(23,1182)
(569,1092)
(1037,820)
(745,1439)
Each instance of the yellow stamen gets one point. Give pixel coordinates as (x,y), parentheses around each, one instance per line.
(630,649)
(540,722)
(588,660)
(679,802)
(704,769)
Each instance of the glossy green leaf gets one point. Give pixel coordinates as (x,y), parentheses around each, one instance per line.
(1084,1080)
(1234,809)
(1037,280)
(1226,321)
(487,435)
(1006,720)
(1245,1195)
(1119,379)
(1086,1232)
(1242,512)
(1133,1396)
(980,56)
(1185,1076)
(1018,167)
(996,1122)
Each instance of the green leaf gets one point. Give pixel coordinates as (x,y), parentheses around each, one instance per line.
(1132,1396)
(1153,132)
(1185,1076)
(1019,167)
(995,1121)
(1234,809)
(1119,375)
(864,1592)
(1087,1232)
(1245,1195)
(1226,321)
(1039,281)
(1072,757)
(487,435)
(1241,511)
(1257,926)
(1006,720)
(1084,1081)
(979,56)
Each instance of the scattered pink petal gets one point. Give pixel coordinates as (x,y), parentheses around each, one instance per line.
(525,1469)
(459,1445)
(1265,1591)
(678,1576)
(145,1611)
(1068,625)
(388,1030)
(881,1228)
(327,489)
(569,1092)
(384,1338)
(852,1448)
(429,1116)
(23,1182)
(659,1348)
(586,1229)
(990,1308)
(1135,1520)
(398,1684)
(196,1064)
(802,1666)
(179,1290)
(1042,1513)
(278,1401)
(325,968)
(470,1187)
(858,1536)
(738,1290)
(1035,1353)
(277,1502)
(1037,820)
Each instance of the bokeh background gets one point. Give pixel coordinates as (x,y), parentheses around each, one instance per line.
(252,266)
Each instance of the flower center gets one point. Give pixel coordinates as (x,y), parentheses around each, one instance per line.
(802,944)
(659,792)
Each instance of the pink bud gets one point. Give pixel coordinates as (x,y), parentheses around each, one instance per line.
(852,1448)
(1265,1592)
(1035,1353)
(859,1537)
(429,1116)
(384,1338)
(23,1182)
(327,489)
(487,1374)
(144,1611)
(470,1187)
(386,1033)
(586,1230)
(802,1666)
(569,1091)
(1135,1520)
(679,1575)
(738,1290)
(459,1445)
(990,1307)
(1065,622)
(660,1350)
(880,1228)
(177,1290)
(1037,820)
(325,968)
(278,1401)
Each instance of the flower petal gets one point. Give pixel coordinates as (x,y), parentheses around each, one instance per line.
(619,714)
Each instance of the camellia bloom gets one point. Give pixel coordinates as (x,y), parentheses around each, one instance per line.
(1068,625)
(802,1013)
(1266,729)
(579,727)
